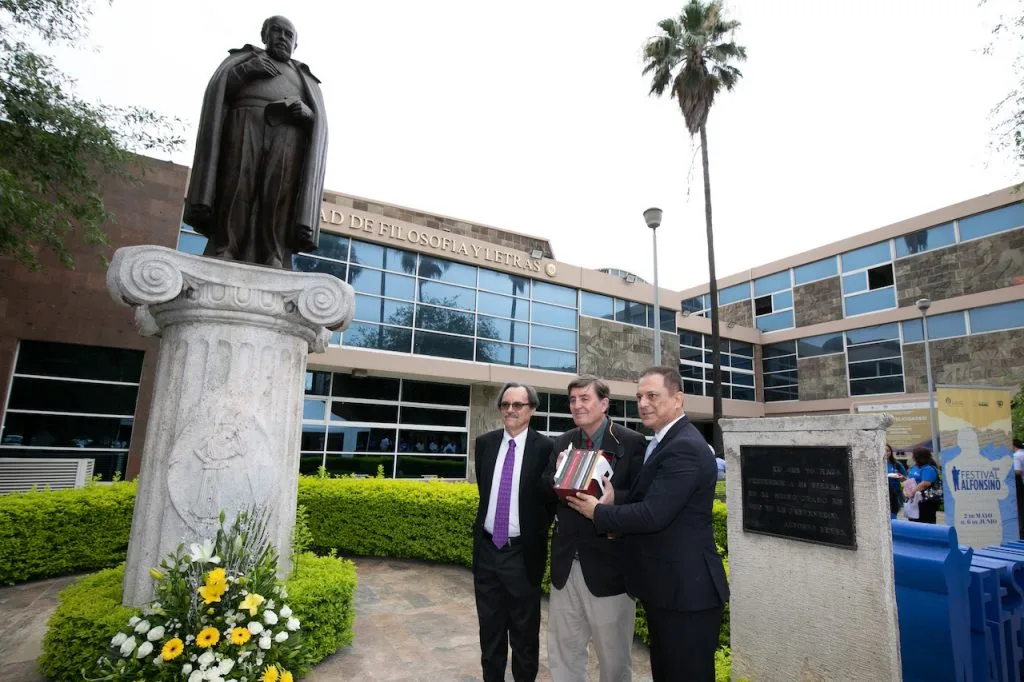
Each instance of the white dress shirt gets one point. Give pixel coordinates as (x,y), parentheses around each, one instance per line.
(517,470)
(660,435)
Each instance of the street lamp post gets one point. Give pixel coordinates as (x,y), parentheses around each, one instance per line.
(652,217)
(923,304)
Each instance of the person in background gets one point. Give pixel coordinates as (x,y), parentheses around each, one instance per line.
(1018,476)
(925,473)
(896,473)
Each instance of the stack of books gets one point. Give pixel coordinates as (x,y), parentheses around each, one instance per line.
(581,471)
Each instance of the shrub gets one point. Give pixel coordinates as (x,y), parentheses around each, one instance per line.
(90,614)
(59,532)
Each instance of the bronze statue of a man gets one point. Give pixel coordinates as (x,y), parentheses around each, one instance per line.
(258,176)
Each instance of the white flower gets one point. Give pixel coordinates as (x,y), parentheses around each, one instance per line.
(142,627)
(270,604)
(244,655)
(204,553)
(255,627)
(205,659)
(293,624)
(186,669)
(127,647)
(145,650)
(214,677)
(225,666)
(286,611)
(156,633)
(133,620)
(118,639)
(281,636)
(196,676)
(238,543)
(158,660)
(283,593)
(265,641)
(270,618)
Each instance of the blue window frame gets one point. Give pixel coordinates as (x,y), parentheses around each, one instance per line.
(944,326)
(825,344)
(771,283)
(991,222)
(925,240)
(597,305)
(996,317)
(733,294)
(811,272)
(775,321)
(879,299)
(866,257)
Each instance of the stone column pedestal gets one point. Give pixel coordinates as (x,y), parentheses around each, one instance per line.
(226,418)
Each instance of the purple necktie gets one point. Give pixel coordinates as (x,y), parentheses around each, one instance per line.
(500,534)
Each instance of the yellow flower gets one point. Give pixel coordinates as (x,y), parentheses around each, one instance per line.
(286,677)
(240,636)
(156,574)
(216,585)
(217,575)
(251,602)
(269,675)
(207,637)
(172,649)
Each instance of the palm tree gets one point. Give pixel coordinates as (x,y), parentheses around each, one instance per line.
(691,59)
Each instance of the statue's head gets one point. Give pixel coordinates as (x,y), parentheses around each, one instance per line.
(279,37)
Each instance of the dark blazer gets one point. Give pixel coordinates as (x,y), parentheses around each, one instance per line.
(536,506)
(673,561)
(602,559)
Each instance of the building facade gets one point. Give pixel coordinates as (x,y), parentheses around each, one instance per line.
(448,310)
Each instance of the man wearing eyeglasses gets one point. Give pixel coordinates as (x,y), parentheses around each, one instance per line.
(510,536)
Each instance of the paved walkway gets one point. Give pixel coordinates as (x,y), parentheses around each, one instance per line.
(414,621)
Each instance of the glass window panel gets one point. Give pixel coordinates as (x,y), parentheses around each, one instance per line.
(314,437)
(776,321)
(631,312)
(359,438)
(875,368)
(74,361)
(596,305)
(445,320)
(880,299)
(48,395)
(771,283)
(66,431)
(310,462)
(632,409)
(378,282)
(826,267)
(412,466)
(763,305)
(380,337)
(693,339)
(553,315)
(539,422)
(502,329)
(944,326)
(741,393)
(693,387)
(866,256)
(912,331)
(345,411)
(668,320)
(378,388)
(559,403)
(777,349)
(780,378)
(783,299)
(561,424)
(398,260)
(443,345)
(740,348)
(742,379)
(447,295)
(433,442)
(435,392)
(505,306)
(309,264)
(616,408)
(504,283)
(456,273)
(189,242)
(552,338)
(740,362)
(332,246)
(739,292)
(925,240)
(874,351)
(691,372)
(880,332)
(881,276)
(556,361)
(502,353)
(780,393)
(693,354)
(820,345)
(318,383)
(314,409)
(990,222)
(858,281)
(693,305)
(360,465)
(432,417)
(366,253)
(875,386)
(553,293)
(995,317)
(374,309)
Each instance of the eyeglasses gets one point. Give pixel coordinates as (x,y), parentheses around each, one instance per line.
(512,406)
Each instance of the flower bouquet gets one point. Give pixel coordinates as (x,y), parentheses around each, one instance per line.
(220,615)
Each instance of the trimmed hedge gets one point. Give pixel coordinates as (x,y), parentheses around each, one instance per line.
(51,533)
(90,613)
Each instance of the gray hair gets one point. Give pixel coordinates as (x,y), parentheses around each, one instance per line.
(531,394)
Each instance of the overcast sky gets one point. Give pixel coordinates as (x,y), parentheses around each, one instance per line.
(533,116)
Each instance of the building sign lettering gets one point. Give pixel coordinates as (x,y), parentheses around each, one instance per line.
(430,239)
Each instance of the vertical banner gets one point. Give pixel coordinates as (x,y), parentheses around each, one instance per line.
(977,464)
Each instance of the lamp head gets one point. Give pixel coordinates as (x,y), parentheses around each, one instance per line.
(923,304)
(652,217)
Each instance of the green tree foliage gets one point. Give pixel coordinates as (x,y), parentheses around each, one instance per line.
(1009,112)
(55,147)
(1018,414)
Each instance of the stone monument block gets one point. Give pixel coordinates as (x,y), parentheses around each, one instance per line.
(810,549)
(226,416)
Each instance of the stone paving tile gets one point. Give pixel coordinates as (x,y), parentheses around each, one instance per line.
(415,621)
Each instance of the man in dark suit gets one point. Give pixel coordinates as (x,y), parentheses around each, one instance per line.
(588,587)
(675,571)
(510,536)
